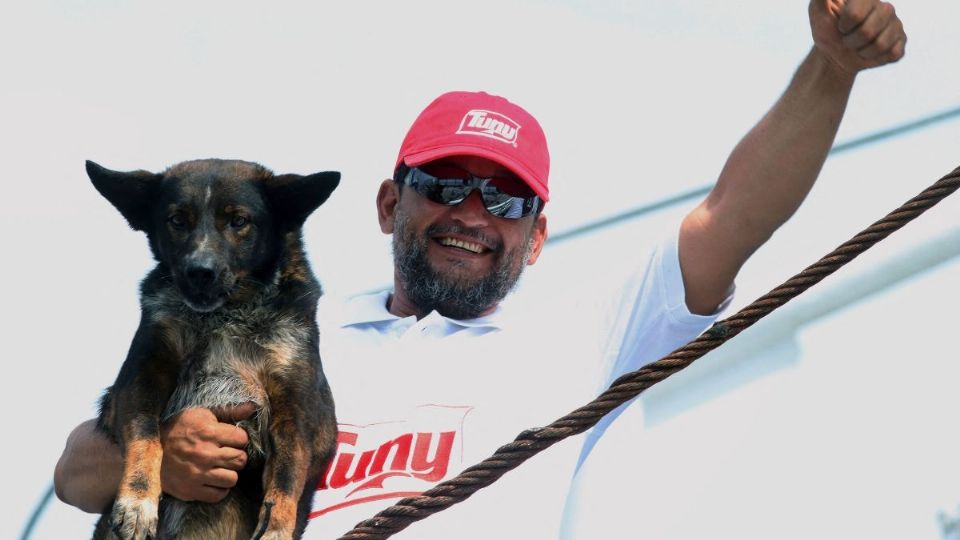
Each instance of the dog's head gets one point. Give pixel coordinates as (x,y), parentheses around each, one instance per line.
(214,223)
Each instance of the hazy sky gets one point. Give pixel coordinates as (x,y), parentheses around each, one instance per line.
(639,100)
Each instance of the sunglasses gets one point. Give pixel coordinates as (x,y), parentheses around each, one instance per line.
(450,185)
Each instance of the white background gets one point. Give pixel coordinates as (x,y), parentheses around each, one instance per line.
(639,100)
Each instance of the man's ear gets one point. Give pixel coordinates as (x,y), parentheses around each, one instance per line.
(539,238)
(130,192)
(294,197)
(387,199)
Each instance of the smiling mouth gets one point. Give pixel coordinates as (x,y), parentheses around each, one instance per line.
(471,247)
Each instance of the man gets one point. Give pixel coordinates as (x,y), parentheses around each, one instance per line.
(434,376)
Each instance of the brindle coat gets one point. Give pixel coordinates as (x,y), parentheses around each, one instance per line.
(227,317)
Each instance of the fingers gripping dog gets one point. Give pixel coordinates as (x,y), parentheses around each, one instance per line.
(227,317)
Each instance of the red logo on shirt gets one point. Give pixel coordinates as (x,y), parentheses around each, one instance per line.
(390,460)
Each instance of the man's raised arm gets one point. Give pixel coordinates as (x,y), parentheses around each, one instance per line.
(773,168)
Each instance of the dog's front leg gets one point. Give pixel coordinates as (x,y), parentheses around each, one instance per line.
(302,431)
(135,510)
(278,515)
(130,412)
(285,471)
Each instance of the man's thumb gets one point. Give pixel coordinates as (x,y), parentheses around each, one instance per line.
(232,414)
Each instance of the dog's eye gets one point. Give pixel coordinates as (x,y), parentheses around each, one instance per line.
(238,222)
(176,221)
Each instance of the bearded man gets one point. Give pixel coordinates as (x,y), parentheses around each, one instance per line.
(436,374)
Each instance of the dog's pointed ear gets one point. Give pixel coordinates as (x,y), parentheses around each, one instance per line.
(130,192)
(296,196)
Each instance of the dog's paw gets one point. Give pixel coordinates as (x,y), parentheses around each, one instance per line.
(134,518)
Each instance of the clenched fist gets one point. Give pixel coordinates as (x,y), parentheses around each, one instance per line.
(857,34)
(202,453)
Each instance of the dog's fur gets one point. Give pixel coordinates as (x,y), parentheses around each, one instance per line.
(227,317)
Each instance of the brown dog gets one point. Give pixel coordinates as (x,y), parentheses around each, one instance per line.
(228,317)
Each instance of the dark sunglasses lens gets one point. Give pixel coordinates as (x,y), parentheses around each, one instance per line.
(452,191)
(513,198)
(502,205)
(438,190)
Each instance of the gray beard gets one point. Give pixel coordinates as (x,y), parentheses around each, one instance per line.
(451,295)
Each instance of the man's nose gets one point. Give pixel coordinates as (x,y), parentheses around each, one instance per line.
(471,212)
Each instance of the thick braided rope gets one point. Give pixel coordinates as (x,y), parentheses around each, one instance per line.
(628,386)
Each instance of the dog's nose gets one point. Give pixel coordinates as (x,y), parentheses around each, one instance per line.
(201,275)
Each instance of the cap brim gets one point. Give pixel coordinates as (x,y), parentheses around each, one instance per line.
(419,158)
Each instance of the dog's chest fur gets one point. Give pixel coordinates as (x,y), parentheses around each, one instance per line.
(227,354)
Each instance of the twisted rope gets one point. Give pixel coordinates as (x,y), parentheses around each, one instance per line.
(532,441)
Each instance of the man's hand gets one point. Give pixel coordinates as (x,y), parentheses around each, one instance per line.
(857,34)
(202,452)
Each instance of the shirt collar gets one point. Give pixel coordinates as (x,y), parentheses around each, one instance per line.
(372,308)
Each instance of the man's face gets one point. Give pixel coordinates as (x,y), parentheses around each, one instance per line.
(459,260)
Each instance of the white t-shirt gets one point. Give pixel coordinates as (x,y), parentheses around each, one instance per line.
(418,401)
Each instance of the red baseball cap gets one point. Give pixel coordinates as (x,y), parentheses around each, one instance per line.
(482,125)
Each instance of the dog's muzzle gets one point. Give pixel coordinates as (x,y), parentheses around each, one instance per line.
(203,285)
